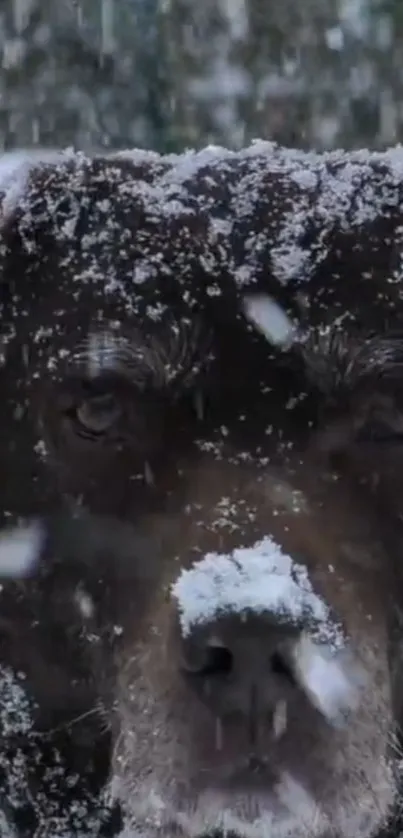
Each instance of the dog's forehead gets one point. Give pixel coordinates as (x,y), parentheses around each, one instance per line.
(138,234)
(192,232)
(117,230)
(228,186)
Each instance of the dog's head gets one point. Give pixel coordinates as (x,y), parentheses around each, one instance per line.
(235,611)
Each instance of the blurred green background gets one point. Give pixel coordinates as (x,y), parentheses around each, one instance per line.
(168,74)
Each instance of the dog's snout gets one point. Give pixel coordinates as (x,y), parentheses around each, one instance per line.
(240,666)
(252,630)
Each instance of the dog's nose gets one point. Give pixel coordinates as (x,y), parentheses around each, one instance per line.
(241,666)
(250,666)
(253,632)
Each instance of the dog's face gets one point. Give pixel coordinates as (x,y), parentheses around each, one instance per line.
(240,641)
(238,612)
(219,721)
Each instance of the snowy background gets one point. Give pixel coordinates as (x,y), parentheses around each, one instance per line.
(166,74)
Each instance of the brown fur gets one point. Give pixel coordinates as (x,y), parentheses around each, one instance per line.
(228,494)
(148,249)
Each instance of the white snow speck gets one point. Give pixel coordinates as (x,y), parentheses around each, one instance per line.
(326,680)
(20,549)
(334,38)
(15,706)
(270,319)
(84,603)
(258,579)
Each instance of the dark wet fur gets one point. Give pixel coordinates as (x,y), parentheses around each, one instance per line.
(35,289)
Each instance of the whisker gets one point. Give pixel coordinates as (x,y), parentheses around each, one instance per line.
(66,725)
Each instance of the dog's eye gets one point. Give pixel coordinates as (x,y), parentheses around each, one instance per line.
(97,413)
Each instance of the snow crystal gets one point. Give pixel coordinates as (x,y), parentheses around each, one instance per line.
(237,16)
(184,167)
(354,15)
(258,579)
(20,550)
(108,27)
(270,319)
(15,706)
(330,685)
(334,38)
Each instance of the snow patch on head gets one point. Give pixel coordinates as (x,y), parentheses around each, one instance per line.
(262,211)
(20,549)
(259,579)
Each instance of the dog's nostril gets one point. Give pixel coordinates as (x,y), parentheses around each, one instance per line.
(214,660)
(218,661)
(279,666)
